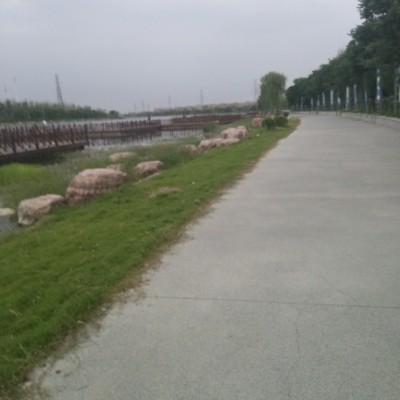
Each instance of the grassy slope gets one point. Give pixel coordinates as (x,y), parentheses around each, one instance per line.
(58,272)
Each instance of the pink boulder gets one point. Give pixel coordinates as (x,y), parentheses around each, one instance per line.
(31,210)
(227,142)
(239,132)
(93,182)
(256,122)
(190,148)
(207,144)
(118,157)
(147,168)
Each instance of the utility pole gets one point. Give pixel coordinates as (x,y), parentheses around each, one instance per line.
(58,90)
(201,97)
(396,94)
(15,90)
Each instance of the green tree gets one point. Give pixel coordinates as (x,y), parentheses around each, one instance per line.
(379,35)
(114,114)
(272,93)
(374,44)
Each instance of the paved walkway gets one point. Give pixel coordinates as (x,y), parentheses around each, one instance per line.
(288,290)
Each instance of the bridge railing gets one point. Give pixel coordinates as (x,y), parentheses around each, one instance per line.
(202,119)
(24,138)
(20,139)
(122,126)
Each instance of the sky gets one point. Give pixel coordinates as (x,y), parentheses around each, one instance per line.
(135,55)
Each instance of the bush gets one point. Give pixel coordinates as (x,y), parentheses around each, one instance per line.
(268,123)
(281,120)
(169,153)
(209,127)
(209,130)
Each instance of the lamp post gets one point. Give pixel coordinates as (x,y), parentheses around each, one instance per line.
(378,90)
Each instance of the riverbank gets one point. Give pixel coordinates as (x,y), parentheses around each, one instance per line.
(55,275)
(53,174)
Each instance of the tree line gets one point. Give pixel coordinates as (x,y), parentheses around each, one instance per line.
(11,111)
(222,108)
(365,76)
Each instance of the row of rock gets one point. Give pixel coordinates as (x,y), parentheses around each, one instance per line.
(228,136)
(93,182)
(86,185)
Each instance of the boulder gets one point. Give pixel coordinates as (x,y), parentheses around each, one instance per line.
(217,142)
(117,167)
(226,142)
(256,122)
(239,132)
(243,129)
(93,182)
(207,144)
(31,210)
(118,157)
(147,168)
(190,148)
(6,212)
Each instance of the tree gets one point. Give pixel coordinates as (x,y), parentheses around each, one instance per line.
(379,34)
(272,93)
(375,44)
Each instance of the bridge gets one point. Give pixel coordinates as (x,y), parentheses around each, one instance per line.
(22,141)
(27,140)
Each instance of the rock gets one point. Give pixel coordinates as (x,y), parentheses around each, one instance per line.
(216,142)
(147,168)
(243,129)
(239,132)
(90,183)
(31,210)
(256,123)
(117,167)
(117,157)
(190,148)
(207,144)
(6,212)
(227,142)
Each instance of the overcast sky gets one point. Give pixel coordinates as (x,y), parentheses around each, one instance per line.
(122,54)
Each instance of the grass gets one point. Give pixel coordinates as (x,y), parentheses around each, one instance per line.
(57,273)
(22,181)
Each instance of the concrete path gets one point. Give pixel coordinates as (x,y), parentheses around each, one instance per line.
(288,289)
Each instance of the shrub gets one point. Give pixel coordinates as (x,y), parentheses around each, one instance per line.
(209,130)
(281,120)
(268,123)
(209,127)
(169,153)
